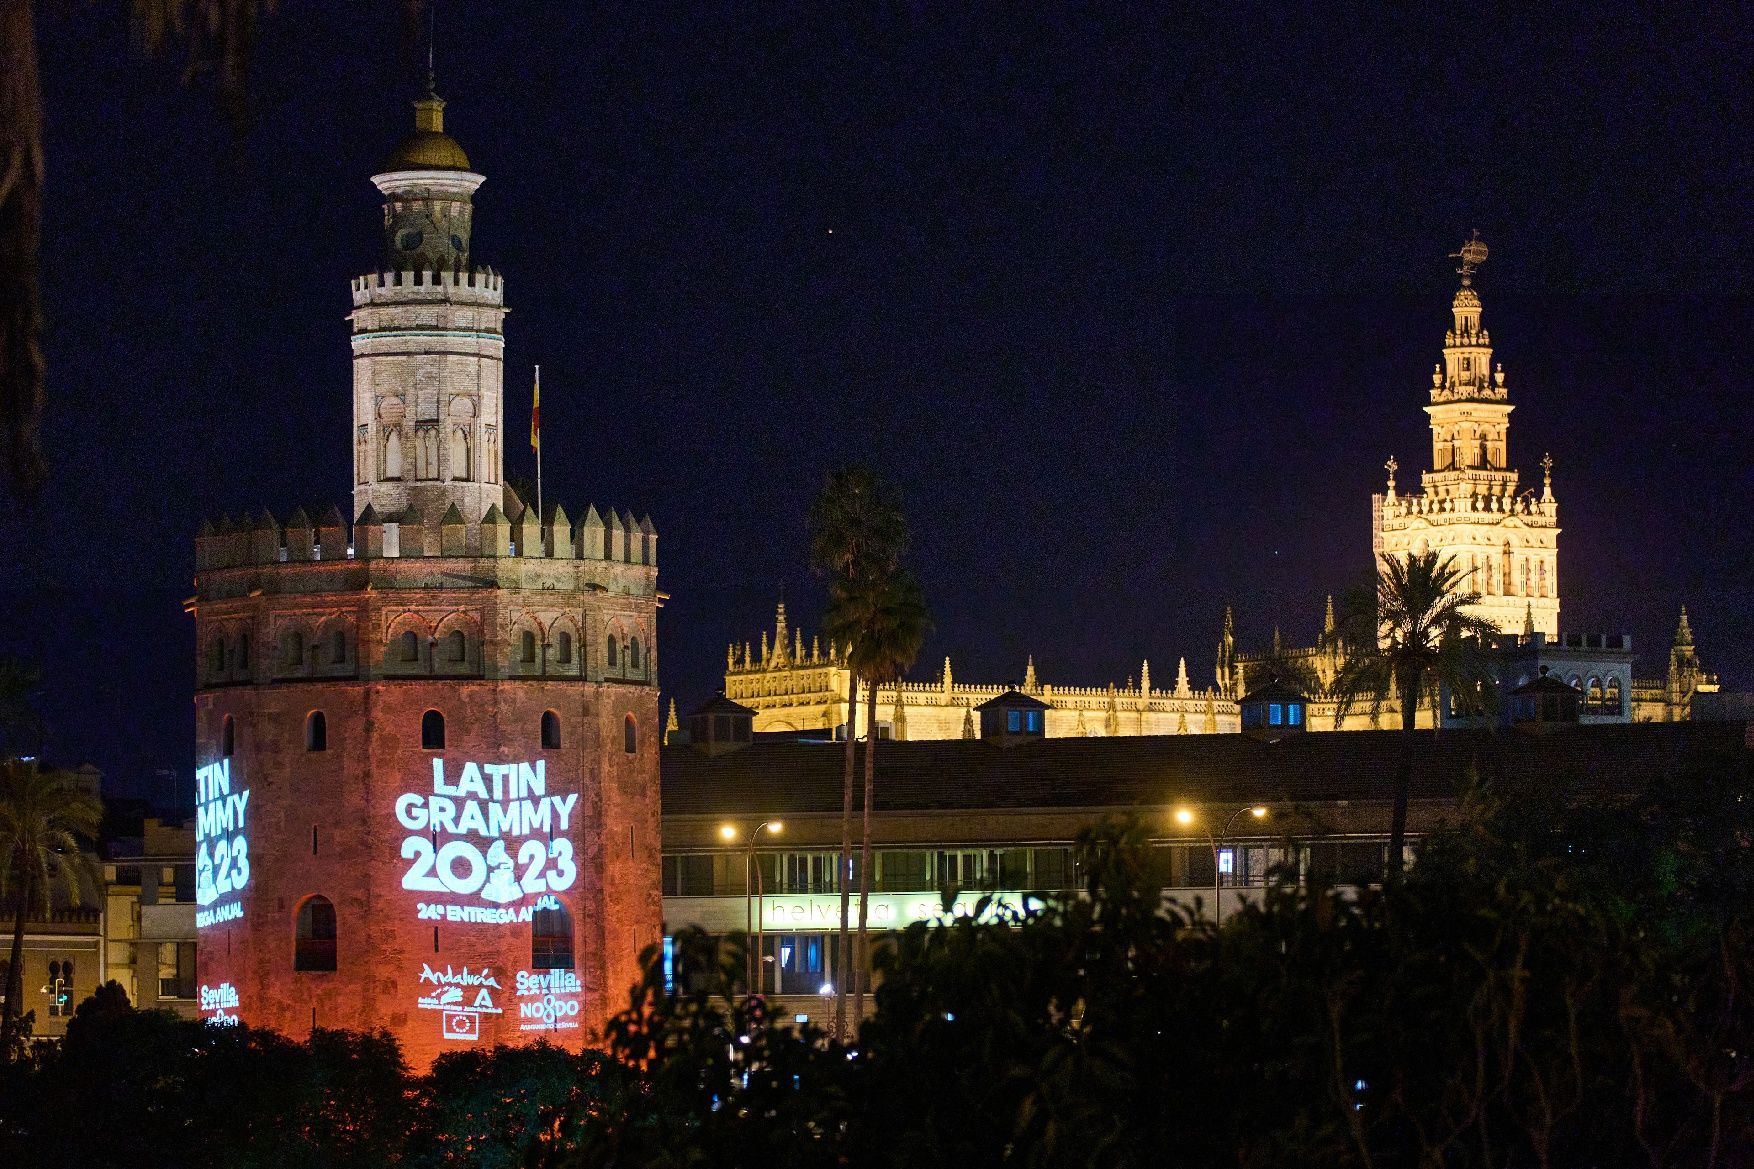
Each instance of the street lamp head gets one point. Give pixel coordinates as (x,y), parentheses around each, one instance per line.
(774,826)
(727,832)
(1184,816)
(1259,811)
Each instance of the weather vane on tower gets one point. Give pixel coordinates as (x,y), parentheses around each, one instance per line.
(1472,255)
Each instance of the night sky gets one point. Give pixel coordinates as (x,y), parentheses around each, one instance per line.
(1133,312)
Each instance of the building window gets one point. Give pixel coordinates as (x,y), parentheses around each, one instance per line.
(1013,721)
(227,737)
(292,647)
(1275,714)
(432,731)
(550,731)
(316,731)
(456,646)
(315,947)
(611,658)
(633,654)
(551,939)
(338,648)
(1294,713)
(563,649)
(216,656)
(243,651)
(176,970)
(409,646)
(1032,722)
(630,735)
(527,646)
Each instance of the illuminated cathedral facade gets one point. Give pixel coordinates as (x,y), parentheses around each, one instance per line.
(1471,506)
(427,737)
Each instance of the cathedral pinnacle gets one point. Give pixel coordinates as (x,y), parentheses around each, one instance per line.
(1029,676)
(1683,631)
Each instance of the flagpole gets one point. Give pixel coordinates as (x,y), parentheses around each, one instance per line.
(536,439)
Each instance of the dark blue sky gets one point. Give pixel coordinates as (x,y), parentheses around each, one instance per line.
(1133,310)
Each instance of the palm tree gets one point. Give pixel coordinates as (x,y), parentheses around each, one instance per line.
(1414,637)
(43,818)
(885,622)
(857,534)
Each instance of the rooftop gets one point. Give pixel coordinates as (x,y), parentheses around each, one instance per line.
(791,777)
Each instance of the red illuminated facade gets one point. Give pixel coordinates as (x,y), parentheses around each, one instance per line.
(427,739)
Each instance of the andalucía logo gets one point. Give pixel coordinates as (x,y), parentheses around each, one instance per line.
(465,992)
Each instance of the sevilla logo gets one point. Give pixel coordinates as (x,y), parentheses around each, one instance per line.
(462,1025)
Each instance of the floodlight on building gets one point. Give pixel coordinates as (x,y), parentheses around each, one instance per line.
(1184,816)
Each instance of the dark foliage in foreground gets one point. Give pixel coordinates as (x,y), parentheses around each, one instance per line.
(1552,984)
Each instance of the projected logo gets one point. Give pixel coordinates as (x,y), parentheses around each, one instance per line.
(222,851)
(484,843)
(219,1004)
(548,1000)
(461,997)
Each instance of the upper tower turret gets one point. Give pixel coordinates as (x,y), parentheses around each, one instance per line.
(428,345)
(428,188)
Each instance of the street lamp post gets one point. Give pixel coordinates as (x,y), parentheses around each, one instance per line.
(752,958)
(1186,816)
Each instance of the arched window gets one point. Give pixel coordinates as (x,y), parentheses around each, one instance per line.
(460,468)
(338,647)
(243,651)
(551,939)
(408,646)
(432,731)
(527,646)
(1542,576)
(315,945)
(633,654)
(216,656)
(611,657)
(563,648)
(630,735)
(456,646)
(393,455)
(292,648)
(227,737)
(550,730)
(1594,696)
(1614,706)
(1505,578)
(316,731)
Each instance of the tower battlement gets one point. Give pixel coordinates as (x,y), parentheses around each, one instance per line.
(261,539)
(471,286)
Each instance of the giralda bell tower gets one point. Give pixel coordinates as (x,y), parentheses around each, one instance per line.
(1472,507)
(427,734)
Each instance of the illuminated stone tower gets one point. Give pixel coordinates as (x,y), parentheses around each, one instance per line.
(1472,506)
(427,739)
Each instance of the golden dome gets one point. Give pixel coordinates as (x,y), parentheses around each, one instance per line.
(429,147)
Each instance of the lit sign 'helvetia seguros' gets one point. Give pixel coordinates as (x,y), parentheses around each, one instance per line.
(484,839)
(222,852)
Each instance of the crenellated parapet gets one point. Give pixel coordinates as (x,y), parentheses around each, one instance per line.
(261,539)
(473,286)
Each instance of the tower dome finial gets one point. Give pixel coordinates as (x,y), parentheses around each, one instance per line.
(1472,255)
